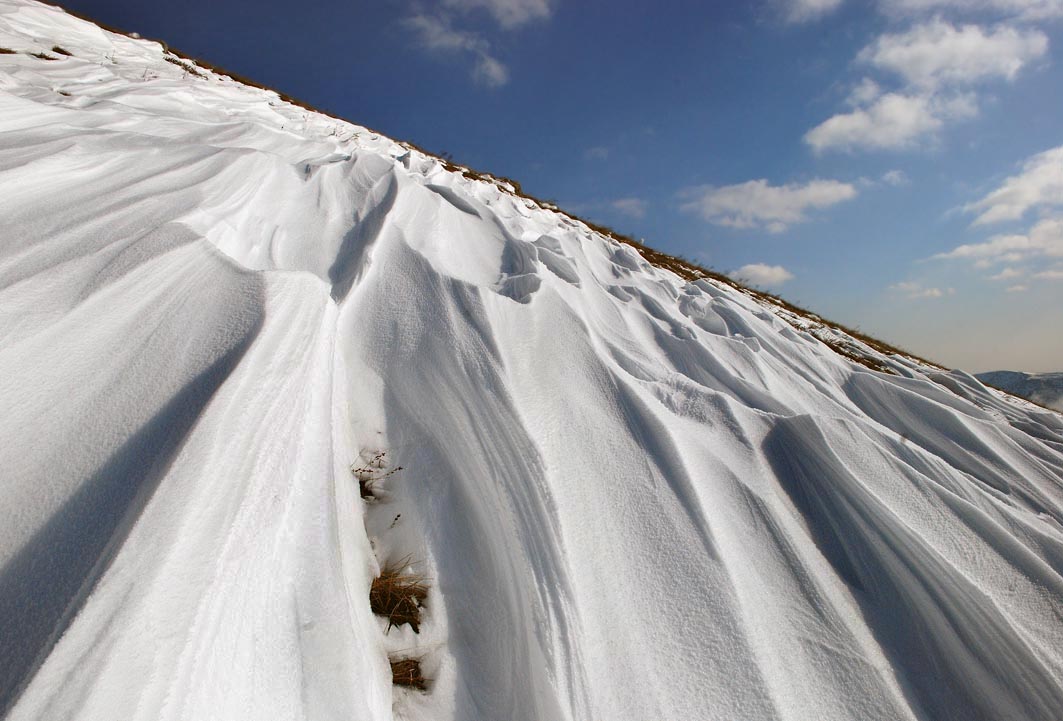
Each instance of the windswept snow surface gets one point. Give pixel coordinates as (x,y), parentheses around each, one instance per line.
(636,497)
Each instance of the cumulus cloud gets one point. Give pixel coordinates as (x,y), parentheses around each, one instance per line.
(938,66)
(800,11)
(598,152)
(865,93)
(634,207)
(997,247)
(914,291)
(757,204)
(763,274)
(508,13)
(1021,9)
(892,121)
(937,53)
(1039,185)
(436,33)
(1045,239)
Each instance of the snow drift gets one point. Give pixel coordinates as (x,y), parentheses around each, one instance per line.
(636,496)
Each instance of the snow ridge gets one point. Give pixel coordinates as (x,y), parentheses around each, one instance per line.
(636,496)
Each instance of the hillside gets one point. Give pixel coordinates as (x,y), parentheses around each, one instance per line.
(632,493)
(1043,388)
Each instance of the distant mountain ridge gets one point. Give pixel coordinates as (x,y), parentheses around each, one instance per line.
(1043,388)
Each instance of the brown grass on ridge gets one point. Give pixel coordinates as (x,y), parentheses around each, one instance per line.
(187,65)
(407,672)
(398,595)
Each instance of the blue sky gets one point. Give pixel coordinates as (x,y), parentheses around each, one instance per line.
(896,165)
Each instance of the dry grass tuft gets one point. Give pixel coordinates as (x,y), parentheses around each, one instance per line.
(6,51)
(62,51)
(185,65)
(398,595)
(407,672)
(43,56)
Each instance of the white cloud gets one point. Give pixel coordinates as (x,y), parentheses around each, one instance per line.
(1045,239)
(1040,184)
(756,204)
(937,64)
(763,274)
(1022,9)
(999,246)
(913,291)
(508,13)
(895,178)
(937,53)
(892,121)
(800,11)
(1018,288)
(634,207)
(436,33)
(865,93)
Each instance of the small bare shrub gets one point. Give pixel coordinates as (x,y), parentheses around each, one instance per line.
(62,51)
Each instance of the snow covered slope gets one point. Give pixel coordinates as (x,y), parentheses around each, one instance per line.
(1043,388)
(635,496)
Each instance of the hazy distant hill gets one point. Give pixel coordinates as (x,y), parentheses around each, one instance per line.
(1043,388)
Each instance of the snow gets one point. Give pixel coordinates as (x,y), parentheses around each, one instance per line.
(636,497)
